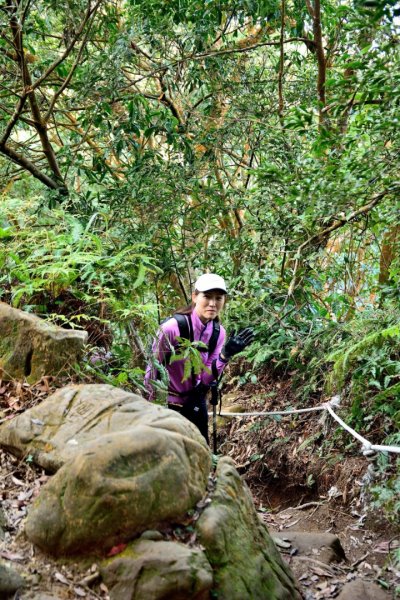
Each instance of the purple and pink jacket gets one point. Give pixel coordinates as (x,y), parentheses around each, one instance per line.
(166,337)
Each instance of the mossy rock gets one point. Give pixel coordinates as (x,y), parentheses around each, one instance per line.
(156,570)
(120,484)
(61,427)
(238,546)
(31,348)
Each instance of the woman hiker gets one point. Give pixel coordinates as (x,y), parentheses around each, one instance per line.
(197,322)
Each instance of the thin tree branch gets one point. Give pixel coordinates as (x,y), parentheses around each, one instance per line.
(27,165)
(212,53)
(69,49)
(139,50)
(166,100)
(338,222)
(310,9)
(70,74)
(245,49)
(281,61)
(25,13)
(196,104)
(13,120)
(38,123)
(21,118)
(320,53)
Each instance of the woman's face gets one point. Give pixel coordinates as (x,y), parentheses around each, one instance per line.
(209,304)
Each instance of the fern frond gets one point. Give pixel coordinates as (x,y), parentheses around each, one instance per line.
(343,360)
(390,392)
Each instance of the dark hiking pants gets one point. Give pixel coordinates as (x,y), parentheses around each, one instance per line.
(195,410)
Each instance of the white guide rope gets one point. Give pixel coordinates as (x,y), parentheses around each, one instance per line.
(367,447)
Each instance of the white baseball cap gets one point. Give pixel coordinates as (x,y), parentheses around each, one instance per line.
(210,281)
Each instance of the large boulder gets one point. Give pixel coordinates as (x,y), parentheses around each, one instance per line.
(63,425)
(31,347)
(125,465)
(238,546)
(156,570)
(116,488)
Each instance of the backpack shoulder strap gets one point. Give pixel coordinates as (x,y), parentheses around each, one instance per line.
(212,344)
(185,326)
(185,331)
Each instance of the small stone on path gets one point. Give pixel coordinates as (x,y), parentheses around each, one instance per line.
(362,590)
(324,546)
(10,581)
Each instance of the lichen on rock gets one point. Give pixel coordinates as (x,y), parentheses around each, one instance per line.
(155,570)
(31,348)
(242,553)
(133,466)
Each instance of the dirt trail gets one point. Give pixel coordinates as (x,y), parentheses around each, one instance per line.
(293,490)
(302,482)
(369,552)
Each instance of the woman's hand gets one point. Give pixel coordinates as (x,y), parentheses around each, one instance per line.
(236,343)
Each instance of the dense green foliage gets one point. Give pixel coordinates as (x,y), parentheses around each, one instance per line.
(142,143)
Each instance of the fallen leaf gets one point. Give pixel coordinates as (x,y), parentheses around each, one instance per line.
(11,555)
(386,546)
(292,523)
(281,543)
(322,586)
(23,496)
(117,549)
(80,592)
(60,577)
(17,481)
(321,572)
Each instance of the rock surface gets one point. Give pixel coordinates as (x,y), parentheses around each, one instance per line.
(69,420)
(156,570)
(31,348)
(132,466)
(325,546)
(238,546)
(126,467)
(10,581)
(121,485)
(362,590)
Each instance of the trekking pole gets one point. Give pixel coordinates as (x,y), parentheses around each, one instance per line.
(214,402)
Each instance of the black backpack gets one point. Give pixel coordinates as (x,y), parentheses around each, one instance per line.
(186,330)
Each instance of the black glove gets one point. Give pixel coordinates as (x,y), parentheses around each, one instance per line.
(237,342)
